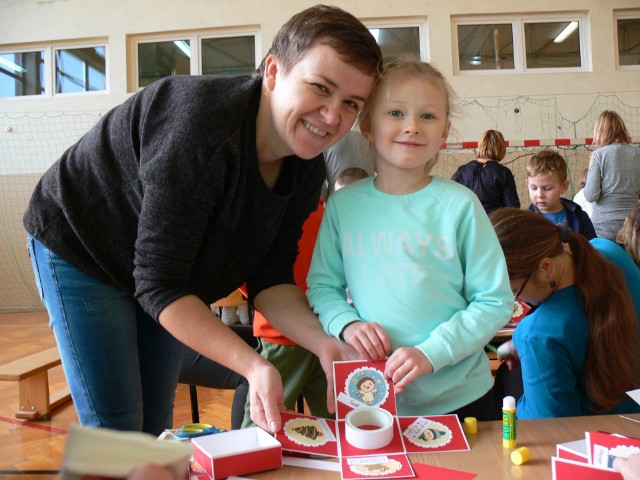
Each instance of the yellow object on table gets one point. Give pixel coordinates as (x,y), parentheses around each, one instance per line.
(520,456)
(470,425)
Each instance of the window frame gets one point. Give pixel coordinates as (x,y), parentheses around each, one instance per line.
(623,15)
(519,44)
(195,38)
(421,23)
(48,51)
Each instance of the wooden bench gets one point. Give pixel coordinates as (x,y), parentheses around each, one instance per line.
(31,373)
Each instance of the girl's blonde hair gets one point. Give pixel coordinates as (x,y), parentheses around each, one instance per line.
(629,234)
(406,66)
(610,129)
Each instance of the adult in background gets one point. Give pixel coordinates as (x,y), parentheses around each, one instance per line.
(491,181)
(613,180)
(177,197)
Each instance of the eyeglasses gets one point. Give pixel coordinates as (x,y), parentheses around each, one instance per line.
(522,287)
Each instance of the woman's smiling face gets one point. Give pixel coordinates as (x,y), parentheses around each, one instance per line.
(315,102)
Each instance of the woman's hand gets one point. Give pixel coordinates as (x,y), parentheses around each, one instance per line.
(405,365)
(267,396)
(628,467)
(369,339)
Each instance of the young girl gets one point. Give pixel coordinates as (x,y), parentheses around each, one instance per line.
(579,351)
(423,265)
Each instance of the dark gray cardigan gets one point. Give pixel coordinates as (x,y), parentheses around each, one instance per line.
(164,198)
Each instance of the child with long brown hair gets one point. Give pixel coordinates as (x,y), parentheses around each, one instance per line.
(580,350)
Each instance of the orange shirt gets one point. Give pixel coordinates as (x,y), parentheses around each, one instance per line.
(261,327)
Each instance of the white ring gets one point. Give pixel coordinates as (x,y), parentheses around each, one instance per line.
(369,439)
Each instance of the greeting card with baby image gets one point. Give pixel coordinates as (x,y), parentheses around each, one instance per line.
(378,466)
(435,433)
(307,434)
(362,384)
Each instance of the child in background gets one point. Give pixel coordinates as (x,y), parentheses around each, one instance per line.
(491,181)
(422,263)
(300,369)
(547,181)
(579,197)
(629,234)
(349,176)
(579,351)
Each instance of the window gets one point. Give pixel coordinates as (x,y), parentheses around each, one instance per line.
(192,53)
(80,70)
(628,39)
(398,37)
(22,74)
(485,47)
(527,43)
(54,69)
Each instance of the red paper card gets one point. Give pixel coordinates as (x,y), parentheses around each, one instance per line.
(520,310)
(604,447)
(431,472)
(563,469)
(362,384)
(575,450)
(378,466)
(307,434)
(435,433)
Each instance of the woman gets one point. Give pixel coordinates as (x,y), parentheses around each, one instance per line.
(613,181)
(579,350)
(177,197)
(491,181)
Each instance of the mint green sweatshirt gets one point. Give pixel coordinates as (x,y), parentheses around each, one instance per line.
(429,269)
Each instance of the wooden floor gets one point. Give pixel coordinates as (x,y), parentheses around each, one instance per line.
(34,450)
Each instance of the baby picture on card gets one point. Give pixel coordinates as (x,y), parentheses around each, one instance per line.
(432,434)
(362,384)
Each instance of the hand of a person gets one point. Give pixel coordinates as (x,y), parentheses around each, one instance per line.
(508,352)
(332,350)
(267,397)
(369,339)
(405,365)
(629,468)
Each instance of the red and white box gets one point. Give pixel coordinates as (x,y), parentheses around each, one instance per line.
(237,452)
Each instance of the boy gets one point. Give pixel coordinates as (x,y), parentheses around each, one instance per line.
(546,182)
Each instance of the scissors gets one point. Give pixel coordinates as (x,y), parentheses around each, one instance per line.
(192,430)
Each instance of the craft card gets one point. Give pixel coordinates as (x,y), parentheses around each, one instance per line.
(603,447)
(575,450)
(348,450)
(431,472)
(563,469)
(435,433)
(520,310)
(362,384)
(306,434)
(379,466)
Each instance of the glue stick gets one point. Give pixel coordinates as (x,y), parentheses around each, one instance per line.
(509,422)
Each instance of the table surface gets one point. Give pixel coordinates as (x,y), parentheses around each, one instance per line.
(488,459)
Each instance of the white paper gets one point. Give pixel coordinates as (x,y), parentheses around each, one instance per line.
(110,453)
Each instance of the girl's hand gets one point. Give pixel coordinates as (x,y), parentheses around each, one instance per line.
(405,365)
(508,352)
(369,339)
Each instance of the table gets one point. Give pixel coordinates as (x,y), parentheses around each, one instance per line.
(488,459)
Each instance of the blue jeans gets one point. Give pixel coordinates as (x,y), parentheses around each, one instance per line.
(122,367)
